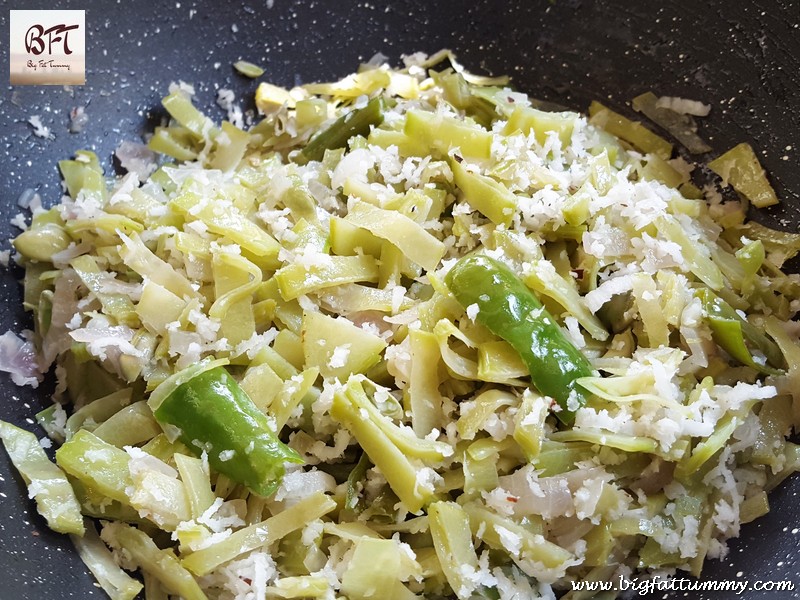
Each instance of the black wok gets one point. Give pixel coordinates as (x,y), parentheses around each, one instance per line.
(740,57)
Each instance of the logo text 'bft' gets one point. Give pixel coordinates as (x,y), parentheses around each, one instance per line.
(35,41)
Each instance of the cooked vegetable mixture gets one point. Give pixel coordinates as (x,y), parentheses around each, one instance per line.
(409,335)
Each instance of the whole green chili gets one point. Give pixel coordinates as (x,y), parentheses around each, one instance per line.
(356,122)
(511,311)
(214,414)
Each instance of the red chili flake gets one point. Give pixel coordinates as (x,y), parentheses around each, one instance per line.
(457,158)
(512,498)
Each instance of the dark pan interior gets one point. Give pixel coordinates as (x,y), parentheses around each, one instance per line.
(740,57)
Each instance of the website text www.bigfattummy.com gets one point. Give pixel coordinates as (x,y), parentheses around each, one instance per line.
(658,584)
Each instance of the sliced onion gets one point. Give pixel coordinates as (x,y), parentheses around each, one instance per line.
(18,357)
(684,106)
(136,158)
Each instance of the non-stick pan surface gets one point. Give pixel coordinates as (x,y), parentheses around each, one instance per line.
(740,57)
